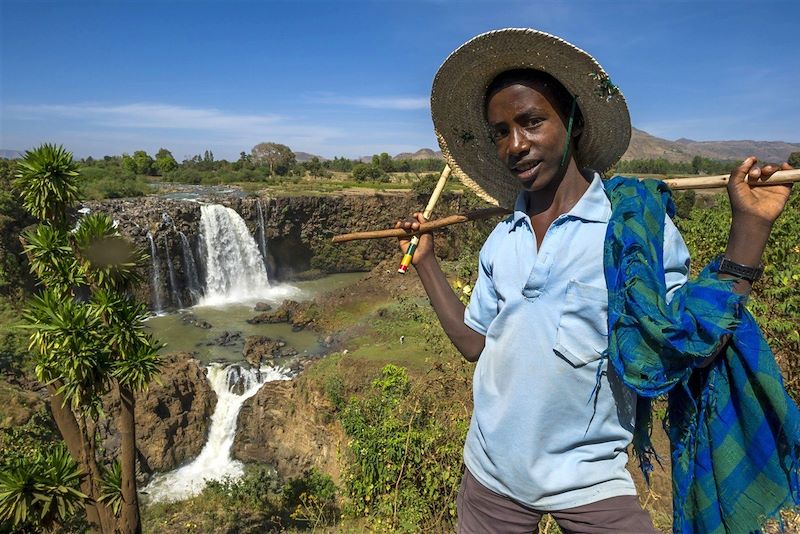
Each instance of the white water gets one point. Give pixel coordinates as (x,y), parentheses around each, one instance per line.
(262,232)
(155,282)
(173,285)
(190,269)
(214,461)
(234,267)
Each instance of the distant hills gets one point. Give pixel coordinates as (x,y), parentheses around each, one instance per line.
(10,154)
(646,146)
(643,146)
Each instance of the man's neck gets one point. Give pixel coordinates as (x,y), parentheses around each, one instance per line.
(561,197)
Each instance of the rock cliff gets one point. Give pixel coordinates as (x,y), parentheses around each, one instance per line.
(172,417)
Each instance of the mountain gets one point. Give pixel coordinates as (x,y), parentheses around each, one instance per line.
(300,157)
(646,146)
(422,153)
(10,154)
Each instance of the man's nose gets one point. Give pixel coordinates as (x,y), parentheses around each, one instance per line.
(518,142)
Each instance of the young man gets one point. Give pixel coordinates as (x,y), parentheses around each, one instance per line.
(528,121)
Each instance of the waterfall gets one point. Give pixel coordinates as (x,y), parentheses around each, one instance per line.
(233,385)
(155,280)
(173,286)
(234,269)
(262,232)
(190,269)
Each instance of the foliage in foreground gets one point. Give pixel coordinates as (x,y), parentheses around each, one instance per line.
(256,503)
(404,462)
(40,490)
(87,334)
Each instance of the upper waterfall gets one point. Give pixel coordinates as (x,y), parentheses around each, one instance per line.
(234,267)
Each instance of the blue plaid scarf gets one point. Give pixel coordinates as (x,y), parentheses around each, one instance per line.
(734,431)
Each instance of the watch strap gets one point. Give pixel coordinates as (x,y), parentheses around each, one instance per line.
(751,274)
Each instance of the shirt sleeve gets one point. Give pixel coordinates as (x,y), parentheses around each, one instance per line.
(482,308)
(676,258)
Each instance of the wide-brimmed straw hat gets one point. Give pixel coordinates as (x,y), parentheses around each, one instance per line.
(459,119)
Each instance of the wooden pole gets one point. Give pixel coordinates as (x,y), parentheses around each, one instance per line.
(676,184)
(437,192)
(711,182)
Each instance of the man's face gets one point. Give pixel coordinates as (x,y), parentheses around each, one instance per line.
(529,134)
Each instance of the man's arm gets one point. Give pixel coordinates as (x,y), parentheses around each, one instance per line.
(449,310)
(445,303)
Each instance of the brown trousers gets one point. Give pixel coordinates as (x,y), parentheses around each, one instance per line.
(482,511)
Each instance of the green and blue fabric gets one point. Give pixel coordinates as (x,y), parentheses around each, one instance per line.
(734,431)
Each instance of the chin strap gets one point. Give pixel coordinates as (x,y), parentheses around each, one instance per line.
(569,130)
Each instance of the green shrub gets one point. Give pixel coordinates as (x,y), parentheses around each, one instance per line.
(404,458)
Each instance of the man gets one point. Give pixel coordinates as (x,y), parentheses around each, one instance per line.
(529,121)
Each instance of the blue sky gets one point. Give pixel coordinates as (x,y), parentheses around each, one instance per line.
(353,78)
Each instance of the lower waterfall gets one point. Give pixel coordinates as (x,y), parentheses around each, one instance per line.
(233,385)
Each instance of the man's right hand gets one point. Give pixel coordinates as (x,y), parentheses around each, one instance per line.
(425,247)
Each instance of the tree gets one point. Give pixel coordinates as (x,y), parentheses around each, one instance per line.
(363,173)
(87,333)
(794,160)
(277,157)
(139,163)
(165,162)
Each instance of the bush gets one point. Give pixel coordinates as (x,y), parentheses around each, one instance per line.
(404,458)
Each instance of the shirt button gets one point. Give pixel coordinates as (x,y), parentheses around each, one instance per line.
(531,293)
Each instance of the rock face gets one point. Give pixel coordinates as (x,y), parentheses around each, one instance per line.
(172,418)
(289,425)
(297,230)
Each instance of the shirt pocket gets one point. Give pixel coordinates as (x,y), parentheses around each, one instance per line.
(582,335)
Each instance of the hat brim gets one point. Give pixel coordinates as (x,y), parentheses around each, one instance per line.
(457,106)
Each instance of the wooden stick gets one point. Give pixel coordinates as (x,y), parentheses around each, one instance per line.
(710,182)
(412,246)
(424,227)
(703,182)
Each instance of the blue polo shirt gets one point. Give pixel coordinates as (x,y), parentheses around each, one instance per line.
(545,431)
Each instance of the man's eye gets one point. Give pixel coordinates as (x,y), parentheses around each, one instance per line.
(498,134)
(532,123)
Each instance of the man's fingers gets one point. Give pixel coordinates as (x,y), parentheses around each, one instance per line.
(741,171)
(768,170)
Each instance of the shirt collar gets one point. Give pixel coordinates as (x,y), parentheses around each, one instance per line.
(593,206)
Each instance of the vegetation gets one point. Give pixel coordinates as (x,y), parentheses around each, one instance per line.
(86,337)
(698,165)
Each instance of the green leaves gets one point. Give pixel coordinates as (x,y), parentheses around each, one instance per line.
(111,261)
(40,491)
(111,488)
(47,180)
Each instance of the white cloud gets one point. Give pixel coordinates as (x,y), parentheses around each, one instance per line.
(170,117)
(405,103)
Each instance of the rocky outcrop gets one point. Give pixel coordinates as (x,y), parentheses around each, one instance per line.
(172,418)
(299,314)
(289,424)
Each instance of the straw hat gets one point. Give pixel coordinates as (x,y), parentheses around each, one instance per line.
(457,106)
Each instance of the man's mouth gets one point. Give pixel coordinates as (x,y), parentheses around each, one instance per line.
(526,170)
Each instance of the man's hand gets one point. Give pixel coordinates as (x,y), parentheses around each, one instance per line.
(754,210)
(425,248)
(757,205)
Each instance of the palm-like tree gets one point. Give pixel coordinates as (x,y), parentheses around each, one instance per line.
(85,347)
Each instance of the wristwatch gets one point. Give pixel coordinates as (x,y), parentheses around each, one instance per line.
(751,274)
